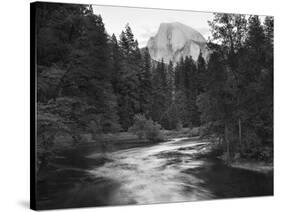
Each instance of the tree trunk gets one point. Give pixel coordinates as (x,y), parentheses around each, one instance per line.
(240,134)
(227,143)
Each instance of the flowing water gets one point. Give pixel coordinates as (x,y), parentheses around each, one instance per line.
(155,174)
(167,172)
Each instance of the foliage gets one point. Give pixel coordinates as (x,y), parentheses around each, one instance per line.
(160,96)
(189,83)
(139,126)
(237,102)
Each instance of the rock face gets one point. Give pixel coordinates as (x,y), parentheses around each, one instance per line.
(176,40)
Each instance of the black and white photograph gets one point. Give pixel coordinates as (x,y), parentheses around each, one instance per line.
(137,106)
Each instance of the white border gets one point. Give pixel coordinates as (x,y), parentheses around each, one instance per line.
(14,111)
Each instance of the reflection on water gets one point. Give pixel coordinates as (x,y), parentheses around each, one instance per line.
(165,172)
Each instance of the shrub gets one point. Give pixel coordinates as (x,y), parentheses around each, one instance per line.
(146,128)
(179,126)
(260,153)
(195,131)
(139,126)
(153,131)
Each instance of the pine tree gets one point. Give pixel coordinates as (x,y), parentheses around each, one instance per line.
(201,73)
(229,30)
(128,100)
(269,29)
(145,84)
(116,63)
(213,102)
(187,88)
(257,84)
(158,78)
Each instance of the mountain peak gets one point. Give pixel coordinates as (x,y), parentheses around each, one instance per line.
(175,40)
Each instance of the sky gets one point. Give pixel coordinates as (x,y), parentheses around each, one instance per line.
(145,22)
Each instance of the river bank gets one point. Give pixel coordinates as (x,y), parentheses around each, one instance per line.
(256,166)
(215,152)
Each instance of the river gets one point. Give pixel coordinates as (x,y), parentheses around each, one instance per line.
(172,171)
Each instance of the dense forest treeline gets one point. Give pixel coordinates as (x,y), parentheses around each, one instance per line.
(238,100)
(89,82)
